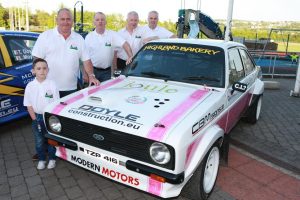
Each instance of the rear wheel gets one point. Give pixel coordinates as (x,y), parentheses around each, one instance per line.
(253,112)
(203,180)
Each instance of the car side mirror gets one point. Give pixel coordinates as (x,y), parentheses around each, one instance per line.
(238,86)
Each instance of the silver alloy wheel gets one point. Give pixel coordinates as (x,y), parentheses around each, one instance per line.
(211,169)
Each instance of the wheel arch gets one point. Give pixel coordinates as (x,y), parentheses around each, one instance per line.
(259,87)
(211,136)
(258,91)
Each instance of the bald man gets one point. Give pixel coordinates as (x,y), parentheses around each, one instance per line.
(135,36)
(101,44)
(153,31)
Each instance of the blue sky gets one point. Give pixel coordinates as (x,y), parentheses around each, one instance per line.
(258,10)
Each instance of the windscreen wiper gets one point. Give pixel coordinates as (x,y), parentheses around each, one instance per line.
(200,78)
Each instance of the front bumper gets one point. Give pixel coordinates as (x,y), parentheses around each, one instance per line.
(128,172)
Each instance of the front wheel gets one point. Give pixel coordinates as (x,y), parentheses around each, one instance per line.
(203,181)
(253,112)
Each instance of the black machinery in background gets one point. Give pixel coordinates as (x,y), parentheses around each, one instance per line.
(78,26)
(191,21)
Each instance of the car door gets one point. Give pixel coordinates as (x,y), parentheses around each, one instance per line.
(237,101)
(15,73)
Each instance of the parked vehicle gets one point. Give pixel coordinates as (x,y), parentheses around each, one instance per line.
(162,125)
(15,72)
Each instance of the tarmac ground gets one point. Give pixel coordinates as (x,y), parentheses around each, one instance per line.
(264,161)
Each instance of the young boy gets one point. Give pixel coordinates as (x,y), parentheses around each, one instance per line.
(38,94)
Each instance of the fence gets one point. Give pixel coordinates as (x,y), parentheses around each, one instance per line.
(276,65)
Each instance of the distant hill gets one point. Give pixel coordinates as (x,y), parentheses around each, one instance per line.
(262,24)
(261,29)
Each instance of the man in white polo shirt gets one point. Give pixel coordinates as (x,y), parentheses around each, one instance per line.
(153,31)
(62,49)
(100,45)
(134,35)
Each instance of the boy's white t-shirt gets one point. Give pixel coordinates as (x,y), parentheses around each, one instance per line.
(39,95)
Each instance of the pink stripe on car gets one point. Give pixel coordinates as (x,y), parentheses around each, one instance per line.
(155,187)
(157,133)
(63,152)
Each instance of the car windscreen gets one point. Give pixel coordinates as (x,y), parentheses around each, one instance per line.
(19,48)
(189,63)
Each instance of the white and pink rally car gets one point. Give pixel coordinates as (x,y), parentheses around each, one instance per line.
(163,125)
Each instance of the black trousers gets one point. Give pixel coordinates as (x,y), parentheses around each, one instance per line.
(65,93)
(121,64)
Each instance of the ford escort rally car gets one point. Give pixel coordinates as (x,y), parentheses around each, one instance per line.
(164,123)
(15,72)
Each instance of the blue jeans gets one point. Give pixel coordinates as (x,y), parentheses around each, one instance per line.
(39,131)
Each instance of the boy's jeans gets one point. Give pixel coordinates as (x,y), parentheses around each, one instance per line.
(39,131)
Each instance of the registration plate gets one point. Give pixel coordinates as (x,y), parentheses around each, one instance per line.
(100,156)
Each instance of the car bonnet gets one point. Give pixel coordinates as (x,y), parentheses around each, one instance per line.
(143,107)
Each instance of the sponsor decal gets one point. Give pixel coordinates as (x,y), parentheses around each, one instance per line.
(28,77)
(241,87)
(6,108)
(105,114)
(207,118)
(157,47)
(151,88)
(61,106)
(119,176)
(160,102)
(113,174)
(107,111)
(136,100)
(86,163)
(22,54)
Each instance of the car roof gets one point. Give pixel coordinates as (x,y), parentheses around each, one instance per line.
(208,42)
(19,33)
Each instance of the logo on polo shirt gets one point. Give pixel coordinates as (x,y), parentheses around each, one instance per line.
(49,94)
(138,36)
(73,47)
(107,44)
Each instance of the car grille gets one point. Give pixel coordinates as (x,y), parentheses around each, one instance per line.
(114,141)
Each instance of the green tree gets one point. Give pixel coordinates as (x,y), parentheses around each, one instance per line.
(42,17)
(115,22)
(4,17)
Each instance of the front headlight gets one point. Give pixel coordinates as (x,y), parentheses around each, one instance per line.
(159,153)
(54,124)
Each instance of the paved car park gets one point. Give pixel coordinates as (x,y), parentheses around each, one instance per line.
(275,137)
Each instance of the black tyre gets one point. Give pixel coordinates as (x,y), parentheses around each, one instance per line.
(253,112)
(202,183)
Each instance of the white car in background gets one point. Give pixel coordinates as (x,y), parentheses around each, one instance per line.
(164,123)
